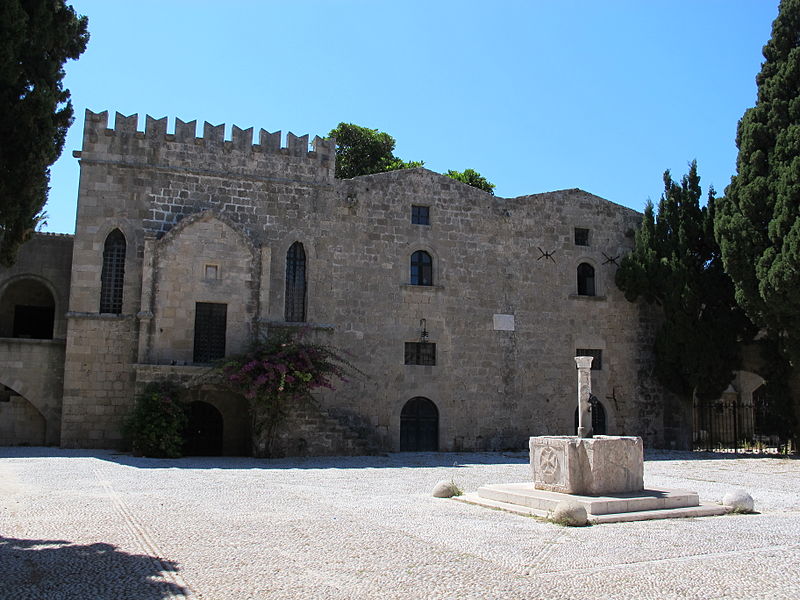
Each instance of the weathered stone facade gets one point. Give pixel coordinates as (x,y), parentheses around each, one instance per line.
(211,221)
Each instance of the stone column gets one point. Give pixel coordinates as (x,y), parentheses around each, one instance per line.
(584,392)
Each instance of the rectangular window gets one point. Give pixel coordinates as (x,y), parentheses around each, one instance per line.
(421,215)
(210,322)
(581,237)
(420,353)
(597,355)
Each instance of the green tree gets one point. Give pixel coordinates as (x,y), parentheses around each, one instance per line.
(473,178)
(363,151)
(758,221)
(676,264)
(36,38)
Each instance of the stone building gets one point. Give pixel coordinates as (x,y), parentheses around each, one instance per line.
(463,310)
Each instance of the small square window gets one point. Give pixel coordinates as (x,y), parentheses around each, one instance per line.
(212,272)
(420,353)
(597,355)
(421,215)
(581,237)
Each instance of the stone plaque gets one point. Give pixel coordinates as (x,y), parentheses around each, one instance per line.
(504,322)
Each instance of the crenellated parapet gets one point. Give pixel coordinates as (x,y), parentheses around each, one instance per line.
(154,146)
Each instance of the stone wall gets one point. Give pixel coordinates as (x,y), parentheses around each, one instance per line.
(504,309)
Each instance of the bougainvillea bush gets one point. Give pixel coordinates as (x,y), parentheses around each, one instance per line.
(279,372)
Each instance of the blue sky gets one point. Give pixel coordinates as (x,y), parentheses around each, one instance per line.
(536,95)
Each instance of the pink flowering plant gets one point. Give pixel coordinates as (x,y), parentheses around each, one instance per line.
(278,372)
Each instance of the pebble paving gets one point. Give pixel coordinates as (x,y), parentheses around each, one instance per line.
(101,525)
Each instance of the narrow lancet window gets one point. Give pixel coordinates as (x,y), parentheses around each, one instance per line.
(112,277)
(295,308)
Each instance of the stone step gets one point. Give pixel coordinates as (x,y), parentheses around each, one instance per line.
(704,509)
(525,494)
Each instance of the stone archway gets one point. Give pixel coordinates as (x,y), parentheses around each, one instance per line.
(21,423)
(203,434)
(27,310)
(419,426)
(599,421)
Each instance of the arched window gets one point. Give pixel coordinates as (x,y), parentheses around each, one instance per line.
(112,277)
(419,426)
(295,308)
(421,268)
(586,280)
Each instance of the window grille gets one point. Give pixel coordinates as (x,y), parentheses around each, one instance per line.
(597,356)
(420,215)
(421,268)
(295,306)
(420,353)
(586,280)
(581,237)
(112,277)
(210,325)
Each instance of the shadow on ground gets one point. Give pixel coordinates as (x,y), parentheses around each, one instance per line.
(36,569)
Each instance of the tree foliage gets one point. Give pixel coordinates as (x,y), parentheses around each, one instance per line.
(157,424)
(676,264)
(473,178)
(758,221)
(364,151)
(36,38)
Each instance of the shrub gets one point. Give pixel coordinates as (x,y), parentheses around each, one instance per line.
(156,425)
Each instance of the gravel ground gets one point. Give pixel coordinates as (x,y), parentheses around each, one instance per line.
(95,524)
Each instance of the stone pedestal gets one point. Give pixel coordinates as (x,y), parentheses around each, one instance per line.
(595,466)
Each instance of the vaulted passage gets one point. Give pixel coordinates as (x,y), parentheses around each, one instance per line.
(204,432)
(419,426)
(27,310)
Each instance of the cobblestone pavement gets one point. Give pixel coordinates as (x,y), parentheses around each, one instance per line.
(100,525)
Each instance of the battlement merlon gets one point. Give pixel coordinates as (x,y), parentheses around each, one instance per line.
(126,143)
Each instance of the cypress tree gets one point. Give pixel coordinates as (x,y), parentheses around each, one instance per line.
(36,38)
(676,264)
(758,221)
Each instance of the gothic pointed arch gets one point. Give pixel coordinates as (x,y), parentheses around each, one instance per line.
(112,277)
(295,297)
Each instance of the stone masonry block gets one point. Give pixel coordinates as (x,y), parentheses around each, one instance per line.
(587,466)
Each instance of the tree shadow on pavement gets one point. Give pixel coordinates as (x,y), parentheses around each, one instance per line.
(35,569)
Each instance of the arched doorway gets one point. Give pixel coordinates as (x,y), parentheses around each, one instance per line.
(27,310)
(203,433)
(598,419)
(419,426)
(21,423)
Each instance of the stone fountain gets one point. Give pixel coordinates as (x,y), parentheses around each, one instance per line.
(604,474)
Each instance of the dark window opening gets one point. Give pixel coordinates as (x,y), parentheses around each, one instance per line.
(295,305)
(597,356)
(34,322)
(112,277)
(598,417)
(419,426)
(420,353)
(421,268)
(421,215)
(210,324)
(581,237)
(586,280)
